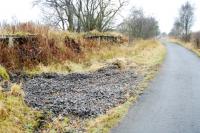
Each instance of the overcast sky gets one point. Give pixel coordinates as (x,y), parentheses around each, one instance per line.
(165,11)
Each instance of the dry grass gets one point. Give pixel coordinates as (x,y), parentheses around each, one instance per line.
(16,90)
(3,111)
(1,90)
(104,123)
(149,53)
(188,45)
(141,52)
(58,125)
(49,47)
(15,115)
(122,55)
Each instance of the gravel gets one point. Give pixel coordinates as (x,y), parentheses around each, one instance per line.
(83,95)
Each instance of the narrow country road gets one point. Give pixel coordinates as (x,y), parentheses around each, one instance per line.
(172,102)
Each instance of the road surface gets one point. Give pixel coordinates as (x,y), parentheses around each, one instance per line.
(172,102)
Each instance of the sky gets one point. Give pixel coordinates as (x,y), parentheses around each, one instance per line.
(165,11)
(21,10)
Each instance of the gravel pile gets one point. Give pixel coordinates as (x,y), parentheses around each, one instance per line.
(84,95)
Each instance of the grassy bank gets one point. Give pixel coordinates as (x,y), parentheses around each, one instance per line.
(130,55)
(47,50)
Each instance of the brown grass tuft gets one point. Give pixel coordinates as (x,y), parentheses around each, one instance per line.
(3,111)
(1,89)
(16,90)
(120,64)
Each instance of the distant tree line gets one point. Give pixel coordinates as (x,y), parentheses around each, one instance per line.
(137,25)
(184,22)
(80,15)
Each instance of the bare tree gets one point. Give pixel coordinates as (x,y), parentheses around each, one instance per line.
(85,15)
(137,25)
(97,14)
(183,24)
(58,12)
(67,7)
(150,28)
(177,29)
(186,19)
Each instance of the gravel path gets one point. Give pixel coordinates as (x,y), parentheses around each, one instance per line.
(171,105)
(84,95)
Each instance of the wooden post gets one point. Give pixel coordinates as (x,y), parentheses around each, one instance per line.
(99,41)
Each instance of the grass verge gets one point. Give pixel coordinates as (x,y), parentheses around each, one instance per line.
(187,45)
(15,115)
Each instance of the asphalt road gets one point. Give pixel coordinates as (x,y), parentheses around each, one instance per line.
(172,102)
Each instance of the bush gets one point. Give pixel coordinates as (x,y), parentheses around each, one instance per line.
(3,73)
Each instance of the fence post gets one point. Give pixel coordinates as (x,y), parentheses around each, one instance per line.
(99,41)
